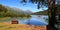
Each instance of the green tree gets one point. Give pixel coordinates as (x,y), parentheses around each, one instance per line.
(58,9)
(51,6)
(3,9)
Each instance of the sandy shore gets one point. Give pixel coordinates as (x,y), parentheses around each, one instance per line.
(9,26)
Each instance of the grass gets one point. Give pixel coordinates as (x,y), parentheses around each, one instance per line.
(4,18)
(9,26)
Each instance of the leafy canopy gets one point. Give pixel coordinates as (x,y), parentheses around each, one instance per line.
(40,3)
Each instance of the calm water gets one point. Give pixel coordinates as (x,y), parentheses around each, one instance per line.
(34,20)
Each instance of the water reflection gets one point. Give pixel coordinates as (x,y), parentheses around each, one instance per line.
(35,19)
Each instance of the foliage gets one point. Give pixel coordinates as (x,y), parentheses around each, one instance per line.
(3,9)
(45,12)
(40,3)
(58,9)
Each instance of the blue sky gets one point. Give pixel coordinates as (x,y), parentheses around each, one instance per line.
(17,4)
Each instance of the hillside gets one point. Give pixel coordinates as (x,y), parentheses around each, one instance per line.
(6,11)
(41,12)
(19,11)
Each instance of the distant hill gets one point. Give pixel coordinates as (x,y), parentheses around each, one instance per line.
(6,11)
(41,12)
(18,10)
(28,12)
(45,12)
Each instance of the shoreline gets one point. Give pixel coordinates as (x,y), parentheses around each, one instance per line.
(4,18)
(8,26)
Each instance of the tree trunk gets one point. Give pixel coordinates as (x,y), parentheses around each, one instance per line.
(52,14)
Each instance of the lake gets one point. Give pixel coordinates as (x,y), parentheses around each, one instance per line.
(34,20)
